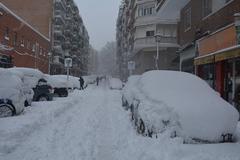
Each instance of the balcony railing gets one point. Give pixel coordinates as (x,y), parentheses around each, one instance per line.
(148,42)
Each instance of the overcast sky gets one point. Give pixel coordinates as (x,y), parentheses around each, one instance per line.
(100,20)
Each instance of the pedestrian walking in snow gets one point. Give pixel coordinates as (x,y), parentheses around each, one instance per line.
(97,80)
(81,80)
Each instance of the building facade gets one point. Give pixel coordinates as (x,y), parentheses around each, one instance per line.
(70,38)
(59,21)
(147,34)
(36,13)
(209,35)
(21,45)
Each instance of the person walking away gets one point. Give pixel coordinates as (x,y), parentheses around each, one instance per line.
(81,80)
(97,80)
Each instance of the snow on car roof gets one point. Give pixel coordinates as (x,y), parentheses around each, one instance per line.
(28,71)
(9,80)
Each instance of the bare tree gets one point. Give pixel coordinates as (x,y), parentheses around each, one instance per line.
(107,59)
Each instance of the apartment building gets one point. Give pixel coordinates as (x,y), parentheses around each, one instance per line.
(21,44)
(147,33)
(70,38)
(59,21)
(209,34)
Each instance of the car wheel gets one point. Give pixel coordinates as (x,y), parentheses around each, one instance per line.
(42,98)
(6,110)
(26,104)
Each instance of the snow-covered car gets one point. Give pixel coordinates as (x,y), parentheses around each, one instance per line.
(115,83)
(180,104)
(12,97)
(61,84)
(31,78)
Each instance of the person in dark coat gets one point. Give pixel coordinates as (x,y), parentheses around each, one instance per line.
(81,80)
(97,80)
(237,98)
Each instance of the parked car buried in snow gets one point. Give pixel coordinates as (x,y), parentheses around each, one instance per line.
(12,97)
(61,84)
(180,104)
(34,79)
(115,83)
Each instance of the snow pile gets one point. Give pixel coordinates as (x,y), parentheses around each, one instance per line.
(186,104)
(115,83)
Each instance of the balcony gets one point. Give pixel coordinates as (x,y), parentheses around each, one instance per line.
(150,43)
(60,15)
(58,30)
(61,3)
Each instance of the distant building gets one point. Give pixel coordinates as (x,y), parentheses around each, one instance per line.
(70,38)
(21,45)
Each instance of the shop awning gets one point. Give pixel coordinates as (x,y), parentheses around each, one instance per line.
(221,55)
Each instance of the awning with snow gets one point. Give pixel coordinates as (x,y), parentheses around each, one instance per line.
(221,55)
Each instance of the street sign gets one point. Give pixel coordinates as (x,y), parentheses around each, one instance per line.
(131,65)
(68,62)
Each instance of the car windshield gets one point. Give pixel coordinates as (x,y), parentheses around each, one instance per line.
(119,79)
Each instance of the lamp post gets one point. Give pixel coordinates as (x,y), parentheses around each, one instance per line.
(158,39)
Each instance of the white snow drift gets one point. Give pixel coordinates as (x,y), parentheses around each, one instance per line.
(181,103)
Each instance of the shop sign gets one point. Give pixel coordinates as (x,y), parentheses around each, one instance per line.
(227,55)
(204,60)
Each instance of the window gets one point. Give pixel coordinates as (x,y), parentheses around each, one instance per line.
(33,47)
(37,48)
(149,33)
(22,42)
(41,51)
(6,33)
(15,39)
(187,19)
(207,7)
(28,45)
(144,11)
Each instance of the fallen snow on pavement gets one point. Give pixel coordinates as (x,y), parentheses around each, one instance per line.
(92,125)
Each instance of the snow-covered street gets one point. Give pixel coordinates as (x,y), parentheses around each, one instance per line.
(92,125)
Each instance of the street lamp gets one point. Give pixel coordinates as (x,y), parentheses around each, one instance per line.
(158,39)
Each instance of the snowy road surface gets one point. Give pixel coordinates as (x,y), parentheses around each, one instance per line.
(91,125)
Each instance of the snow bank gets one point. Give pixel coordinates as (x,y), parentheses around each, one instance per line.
(115,83)
(186,104)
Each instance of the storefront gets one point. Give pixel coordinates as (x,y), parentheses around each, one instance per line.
(219,63)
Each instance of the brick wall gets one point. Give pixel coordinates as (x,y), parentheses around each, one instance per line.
(22,53)
(38,13)
(200,25)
